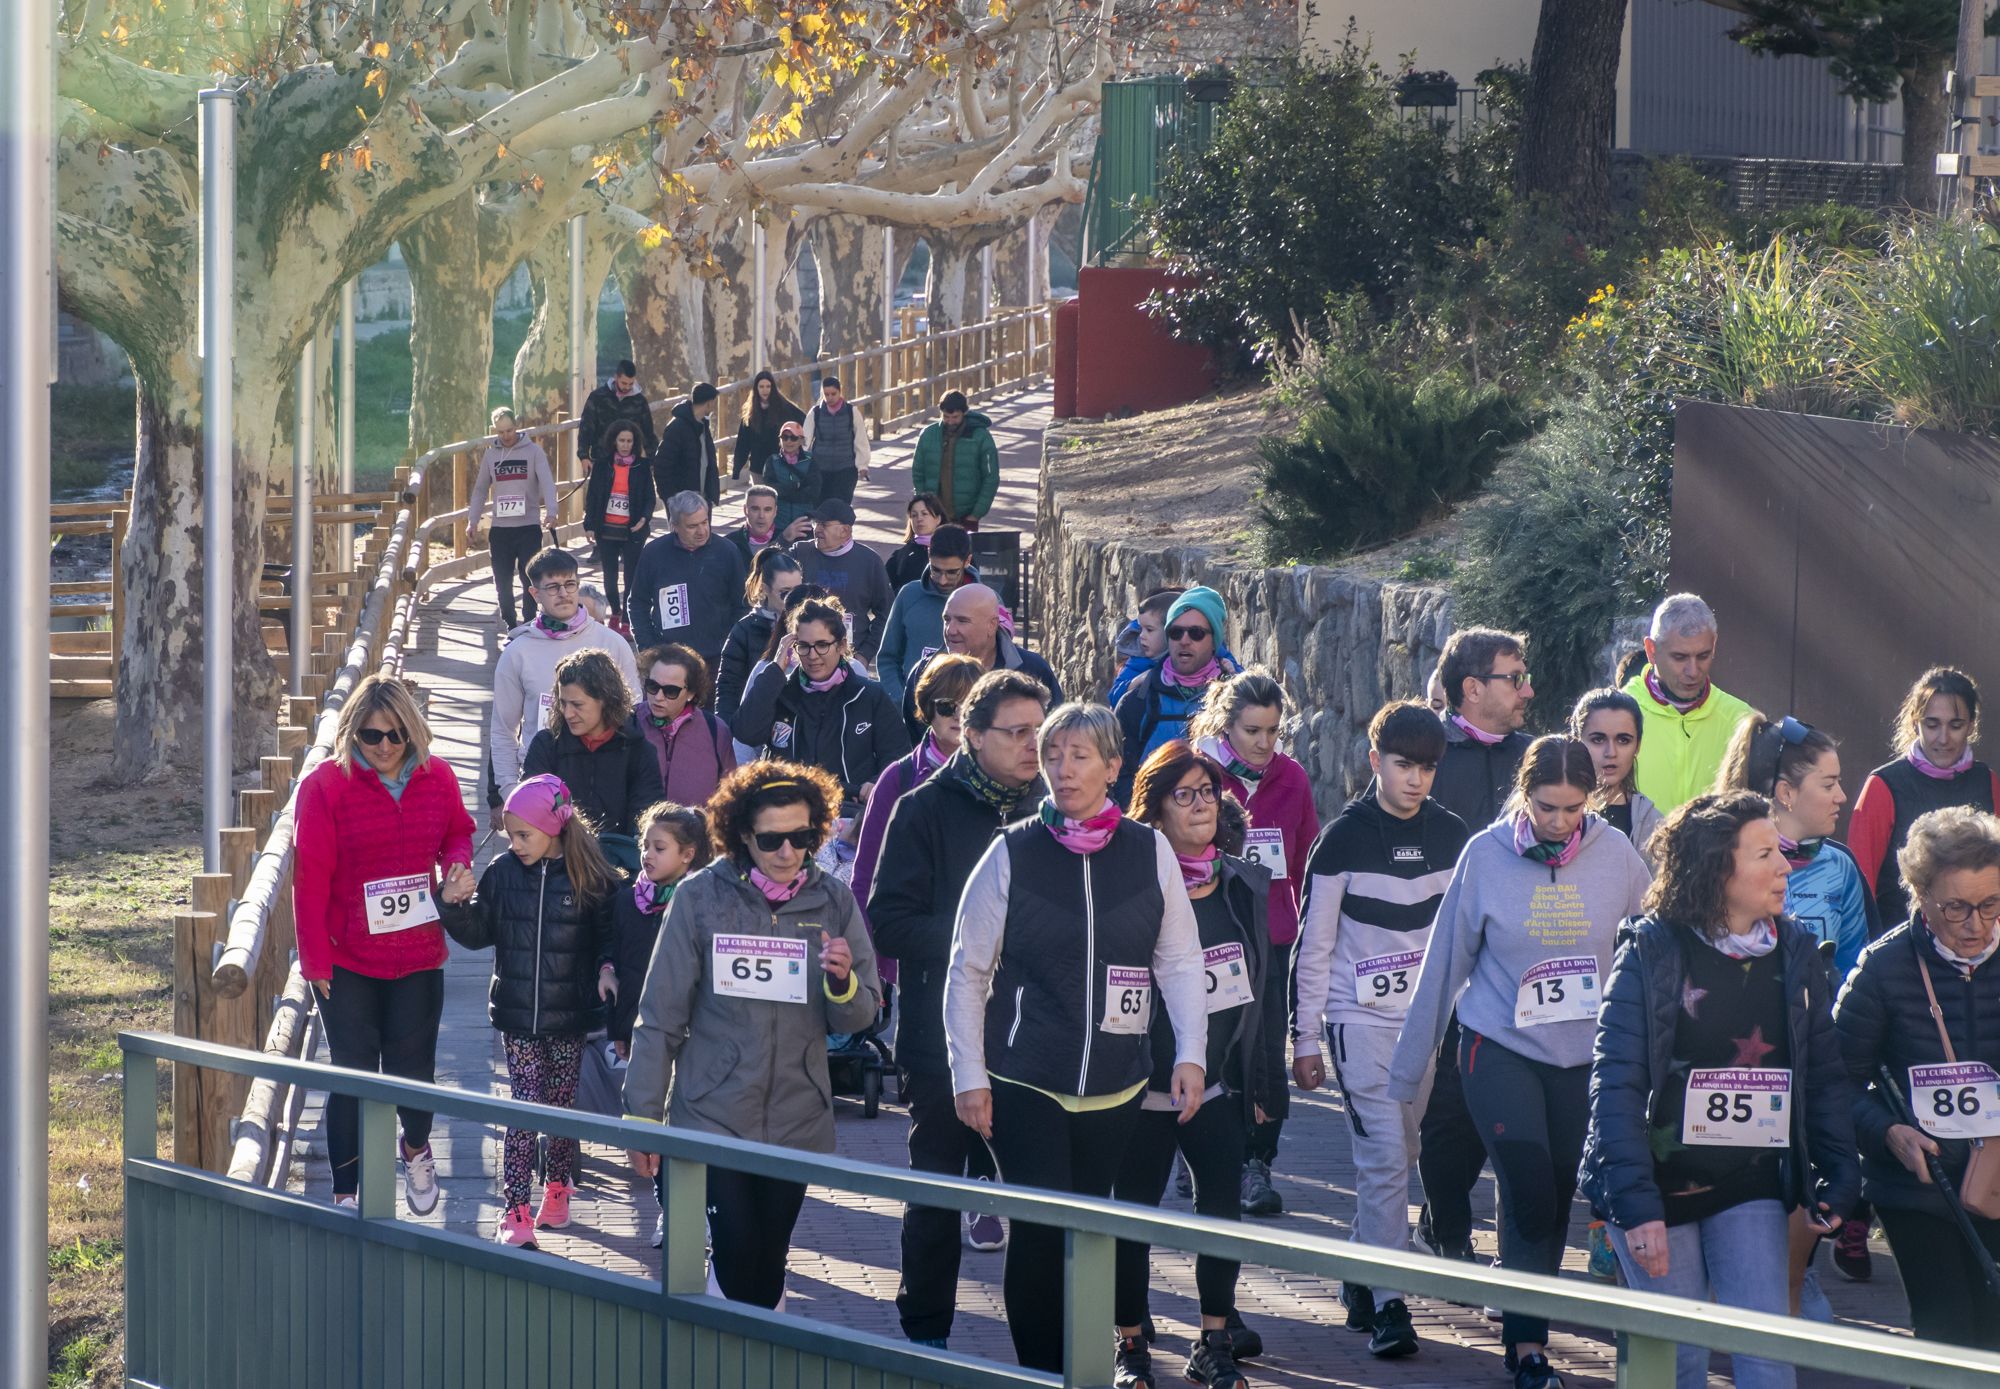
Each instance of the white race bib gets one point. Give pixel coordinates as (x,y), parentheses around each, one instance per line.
(772,968)
(1738,1107)
(674,607)
(1956,1101)
(397,904)
(542,714)
(924,655)
(1563,990)
(1268,848)
(509,508)
(850,628)
(1386,982)
(618,507)
(1128,1000)
(1228,977)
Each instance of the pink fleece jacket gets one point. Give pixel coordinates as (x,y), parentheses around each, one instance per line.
(1283,801)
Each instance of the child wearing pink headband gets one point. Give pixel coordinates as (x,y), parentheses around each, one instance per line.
(542,802)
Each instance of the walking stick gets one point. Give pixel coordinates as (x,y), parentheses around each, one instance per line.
(1987,1268)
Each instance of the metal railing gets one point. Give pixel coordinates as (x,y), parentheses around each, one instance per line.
(177,1236)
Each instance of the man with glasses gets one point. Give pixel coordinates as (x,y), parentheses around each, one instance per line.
(976,625)
(850,571)
(915,627)
(1157,705)
(936,836)
(526,672)
(689,587)
(1689,720)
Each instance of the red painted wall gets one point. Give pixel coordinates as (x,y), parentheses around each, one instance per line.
(1067,313)
(1125,361)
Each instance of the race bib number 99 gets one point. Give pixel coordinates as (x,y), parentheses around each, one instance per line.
(1268,848)
(1741,1107)
(771,968)
(1562,990)
(1386,982)
(1228,977)
(398,904)
(1959,1100)
(1128,1000)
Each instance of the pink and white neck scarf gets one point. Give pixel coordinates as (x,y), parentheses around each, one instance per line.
(547,627)
(1915,757)
(839,677)
(776,892)
(1233,762)
(1476,733)
(923,540)
(1170,676)
(836,554)
(1528,846)
(929,756)
(1759,941)
(1197,870)
(1085,836)
(1661,697)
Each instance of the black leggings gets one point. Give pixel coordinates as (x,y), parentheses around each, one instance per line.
(1949,1300)
(1036,1142)
(1532,1118)
(927,1292)
(1450,1155)
(511,547)
(750,1222)
(615,554)
(1262,1142)
(385,1027)
(1212,1143)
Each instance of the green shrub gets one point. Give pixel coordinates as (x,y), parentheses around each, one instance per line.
(1923,325)
(1772,315)
(1375,452)
(1560,553)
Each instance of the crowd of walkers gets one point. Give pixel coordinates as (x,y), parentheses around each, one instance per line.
(828,797)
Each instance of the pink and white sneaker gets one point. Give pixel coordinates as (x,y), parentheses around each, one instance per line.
(554,1214)
(517,1230)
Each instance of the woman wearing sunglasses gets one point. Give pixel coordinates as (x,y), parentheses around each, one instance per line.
(761,955)
(790,473)
(693,746)
(594,744)
(812,706)
(381,824)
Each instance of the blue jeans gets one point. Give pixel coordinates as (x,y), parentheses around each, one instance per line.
(1740,1258)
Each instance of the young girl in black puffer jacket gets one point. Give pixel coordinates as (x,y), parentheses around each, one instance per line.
(545,909)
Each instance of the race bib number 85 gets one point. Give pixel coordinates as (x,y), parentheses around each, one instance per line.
(1739,1107)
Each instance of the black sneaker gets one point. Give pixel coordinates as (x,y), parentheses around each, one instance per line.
(1851,1259)
(1244,1343)
(1133,1368)
(1535,1372)
(1360,1305)
(1259,1198)
(1214,1363)
(1461,1251)
(1394,1336)
(1147,1332)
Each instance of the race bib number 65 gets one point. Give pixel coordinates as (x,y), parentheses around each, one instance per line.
(771,968)
(1128,1000)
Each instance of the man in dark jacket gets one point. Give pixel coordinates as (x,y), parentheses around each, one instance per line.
(936,836)
(956,459)
(850,571)
(618,399)
(685,461)
(689,587)
(972,628)
(1486,690)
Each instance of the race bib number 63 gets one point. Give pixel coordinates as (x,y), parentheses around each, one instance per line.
(1128,1000)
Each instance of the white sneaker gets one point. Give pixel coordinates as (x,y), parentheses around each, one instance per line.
(659,1229)
(351,1202)
(420,1186)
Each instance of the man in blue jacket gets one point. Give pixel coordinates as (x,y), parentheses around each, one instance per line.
(689,584)
(915,625)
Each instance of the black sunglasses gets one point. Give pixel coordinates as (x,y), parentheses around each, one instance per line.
(944,709)
(375,736)
(803,840)
(654,687)
(1178,633)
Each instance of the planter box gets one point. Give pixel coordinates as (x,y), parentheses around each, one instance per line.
(1428,94)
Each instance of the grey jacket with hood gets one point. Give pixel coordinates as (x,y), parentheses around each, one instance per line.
(746,1068)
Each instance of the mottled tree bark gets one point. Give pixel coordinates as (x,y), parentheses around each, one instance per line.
(1566,127)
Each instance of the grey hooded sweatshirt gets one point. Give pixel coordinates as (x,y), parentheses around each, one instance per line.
(738,1065)
(1504,915)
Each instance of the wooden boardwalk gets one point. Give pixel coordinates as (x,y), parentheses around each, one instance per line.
(846,1253)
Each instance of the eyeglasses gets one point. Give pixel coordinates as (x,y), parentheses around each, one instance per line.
(1957,913)
(1015,732)
(803,840)
(375,737)
(654,687)
(1516,678)
(569,589)
(814,648)
(954,572)
(1179,633)
(1185,796)
(944,709)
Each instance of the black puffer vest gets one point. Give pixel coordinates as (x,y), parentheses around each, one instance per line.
(1914,794)
(1071,918)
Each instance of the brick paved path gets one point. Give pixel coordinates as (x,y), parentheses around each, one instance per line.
(845,1255)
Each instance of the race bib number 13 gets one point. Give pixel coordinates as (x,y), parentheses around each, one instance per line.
(1956,1101)
(1128,1000)
(772,968)
(1562,990)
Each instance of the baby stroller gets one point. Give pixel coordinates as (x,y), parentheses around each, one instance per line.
(860,1062)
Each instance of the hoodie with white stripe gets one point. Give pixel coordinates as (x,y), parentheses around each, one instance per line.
(1373,883)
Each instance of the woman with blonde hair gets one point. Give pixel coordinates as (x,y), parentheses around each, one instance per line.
(381,824)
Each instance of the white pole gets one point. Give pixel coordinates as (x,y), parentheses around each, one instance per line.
(1034,280)
(763,297)
(27,371)
(218,512)
(579,385)
(888,285)
(346,420)
(302,511)
(986,280)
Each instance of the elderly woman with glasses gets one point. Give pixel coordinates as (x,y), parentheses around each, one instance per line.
(1069,925)
(1922,1010)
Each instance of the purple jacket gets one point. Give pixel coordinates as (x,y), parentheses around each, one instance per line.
(701,756)
(903,775)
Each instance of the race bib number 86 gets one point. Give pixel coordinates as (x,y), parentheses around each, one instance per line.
(1956,1101)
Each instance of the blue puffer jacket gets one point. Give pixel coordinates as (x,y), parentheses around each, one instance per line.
(1634,1054)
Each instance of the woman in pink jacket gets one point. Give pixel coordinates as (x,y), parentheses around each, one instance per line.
(1238,725)
(382,833)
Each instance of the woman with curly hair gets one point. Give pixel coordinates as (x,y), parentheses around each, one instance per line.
(1184,795)
(1719,1098)
(731,1019)
(593,743)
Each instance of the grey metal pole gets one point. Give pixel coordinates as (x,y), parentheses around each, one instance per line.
(302,511)
(579,371)
(27,371)
(345,423)
(888,285)
(218,512)
(762,303)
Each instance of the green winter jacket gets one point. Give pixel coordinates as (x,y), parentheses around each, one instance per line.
(975,466)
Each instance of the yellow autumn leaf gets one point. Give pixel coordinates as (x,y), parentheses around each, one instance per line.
(379,80)
(813,24)
(326,161)
(502,152)
(536,183)
(997,9)
(653,237)
(120,33)
(378,50)
(364,158)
